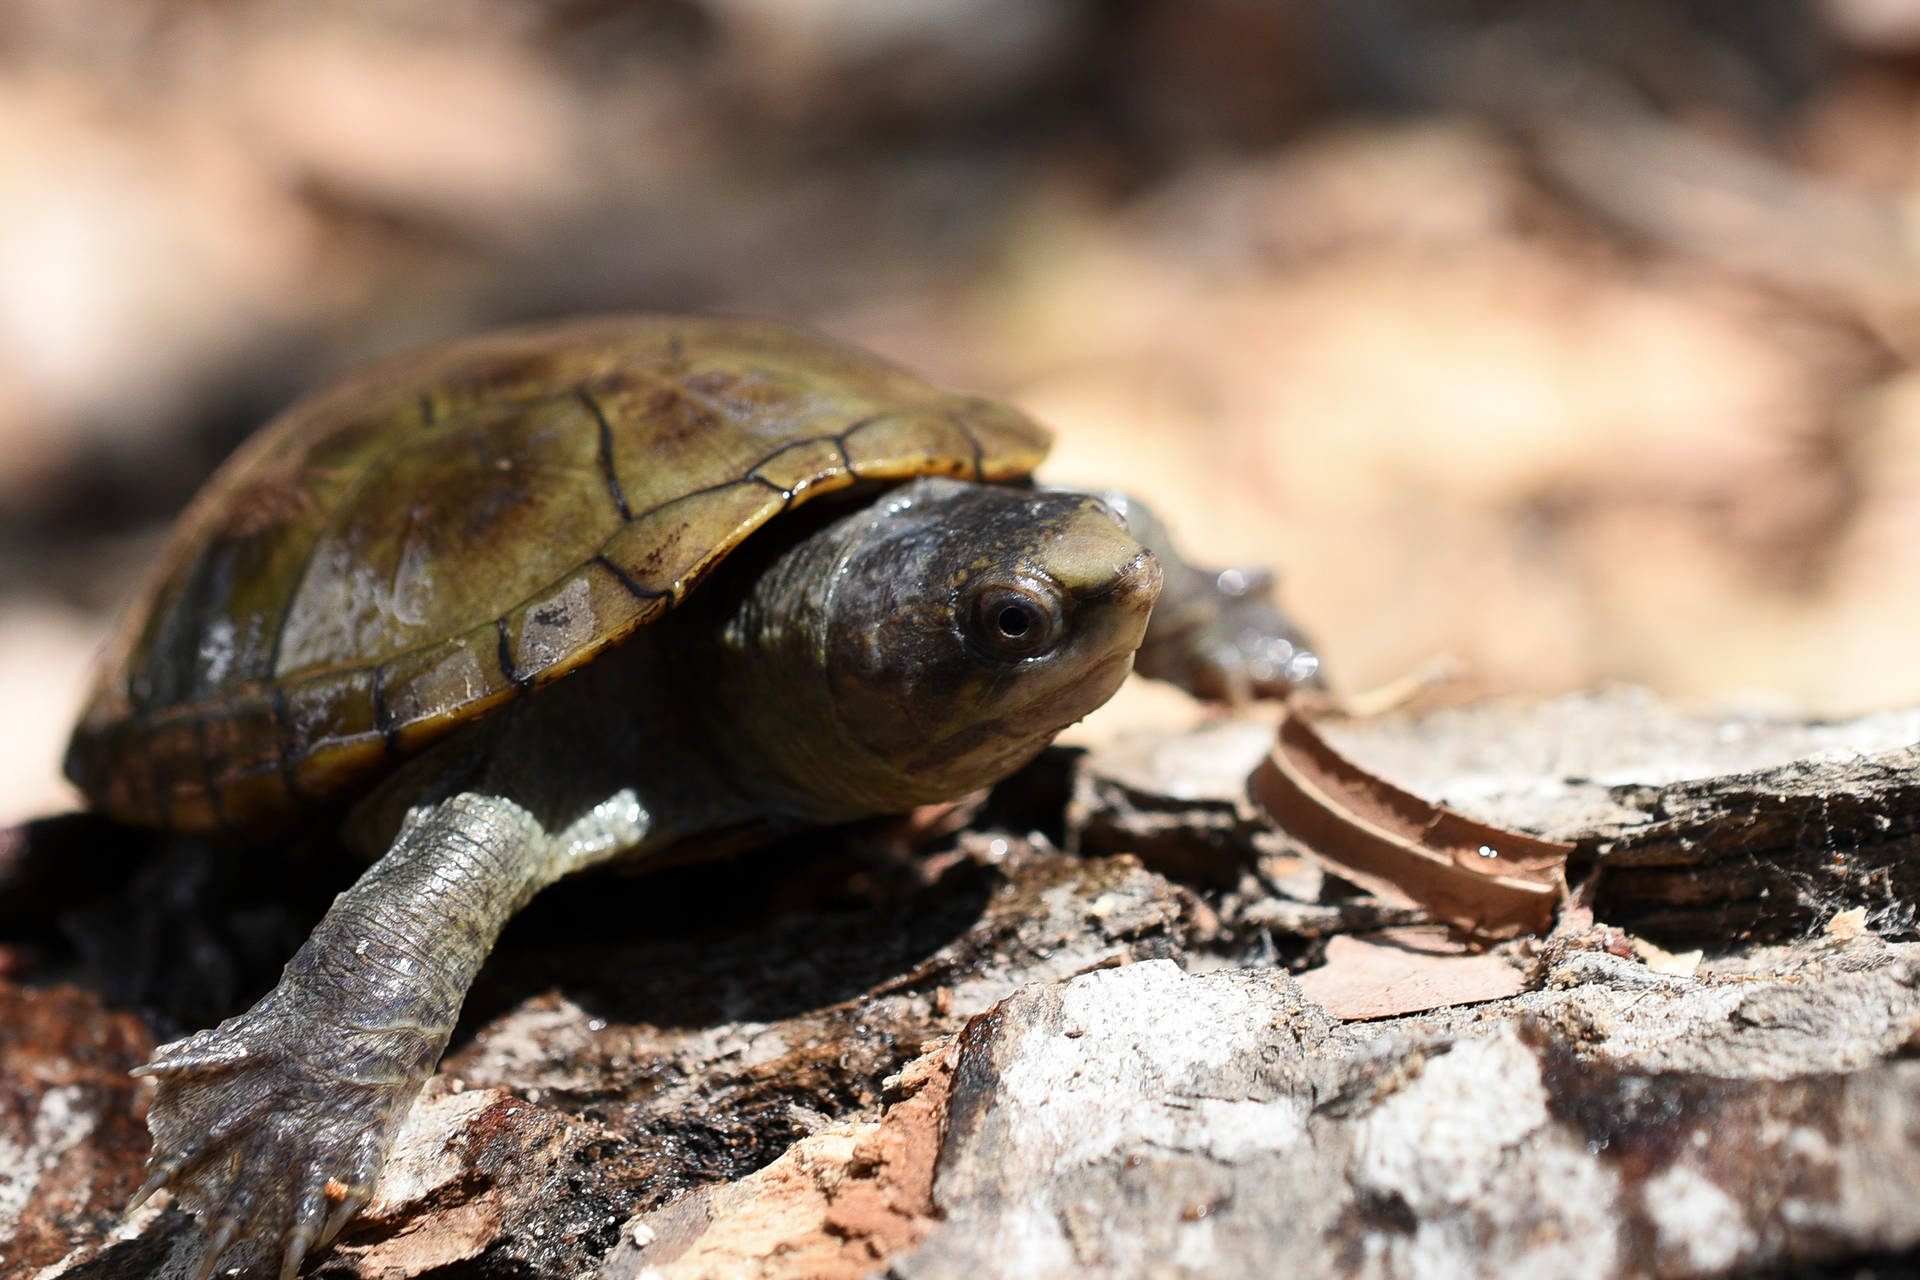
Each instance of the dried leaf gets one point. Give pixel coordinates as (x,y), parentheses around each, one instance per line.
(1485,880)
(1409,970)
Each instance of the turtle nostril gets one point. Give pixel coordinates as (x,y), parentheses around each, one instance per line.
(1141,578)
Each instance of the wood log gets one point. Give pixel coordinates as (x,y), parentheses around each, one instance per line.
(997,1057)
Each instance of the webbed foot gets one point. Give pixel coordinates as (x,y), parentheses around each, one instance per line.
(274,1127)
(1223,638)
(1217,633)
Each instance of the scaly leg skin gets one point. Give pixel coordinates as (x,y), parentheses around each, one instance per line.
(1216,633)
(274,1124)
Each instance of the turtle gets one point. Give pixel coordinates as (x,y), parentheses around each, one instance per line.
(632,588)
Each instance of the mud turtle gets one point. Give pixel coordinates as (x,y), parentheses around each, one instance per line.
(367,615)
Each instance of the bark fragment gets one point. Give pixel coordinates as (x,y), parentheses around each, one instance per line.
(1145,1121)
(1489,881)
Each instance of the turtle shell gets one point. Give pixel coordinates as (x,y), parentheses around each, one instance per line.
(415,545)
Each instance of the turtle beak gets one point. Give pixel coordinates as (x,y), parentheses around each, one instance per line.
(1136,587)
(1111,583)
(1111,579)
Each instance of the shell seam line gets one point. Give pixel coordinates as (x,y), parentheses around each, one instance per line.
(216,803)
(503,655)
(606,453)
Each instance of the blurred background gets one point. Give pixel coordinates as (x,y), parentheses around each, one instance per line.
(1574,339)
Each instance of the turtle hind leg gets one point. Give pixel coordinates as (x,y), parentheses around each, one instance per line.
(273,1125)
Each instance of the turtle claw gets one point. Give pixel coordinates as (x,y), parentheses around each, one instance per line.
(349,1207)
(216,1245)
(154,1182)
(307,1229)
(201,1053)
(296,1253)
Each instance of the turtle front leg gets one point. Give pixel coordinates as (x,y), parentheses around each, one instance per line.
(1217,633)
(274,1125)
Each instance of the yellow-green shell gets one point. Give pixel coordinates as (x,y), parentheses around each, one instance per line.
(415,545)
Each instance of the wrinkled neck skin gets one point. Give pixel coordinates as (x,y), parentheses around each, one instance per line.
(781,737)
(843,677)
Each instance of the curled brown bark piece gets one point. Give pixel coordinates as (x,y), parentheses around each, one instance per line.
(1488,881)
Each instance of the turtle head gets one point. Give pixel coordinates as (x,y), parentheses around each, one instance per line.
(971,623)
(933,642)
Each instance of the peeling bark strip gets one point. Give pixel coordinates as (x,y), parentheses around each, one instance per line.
(1767,854)
(1488,881)
(1700,830)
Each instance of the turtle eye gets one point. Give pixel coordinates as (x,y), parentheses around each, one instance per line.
(1009,623)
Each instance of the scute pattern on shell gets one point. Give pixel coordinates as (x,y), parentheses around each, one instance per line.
(409,548)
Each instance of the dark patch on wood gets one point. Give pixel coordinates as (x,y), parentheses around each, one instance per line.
(1640,1119)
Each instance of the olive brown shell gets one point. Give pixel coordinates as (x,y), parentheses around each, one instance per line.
(411,547)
